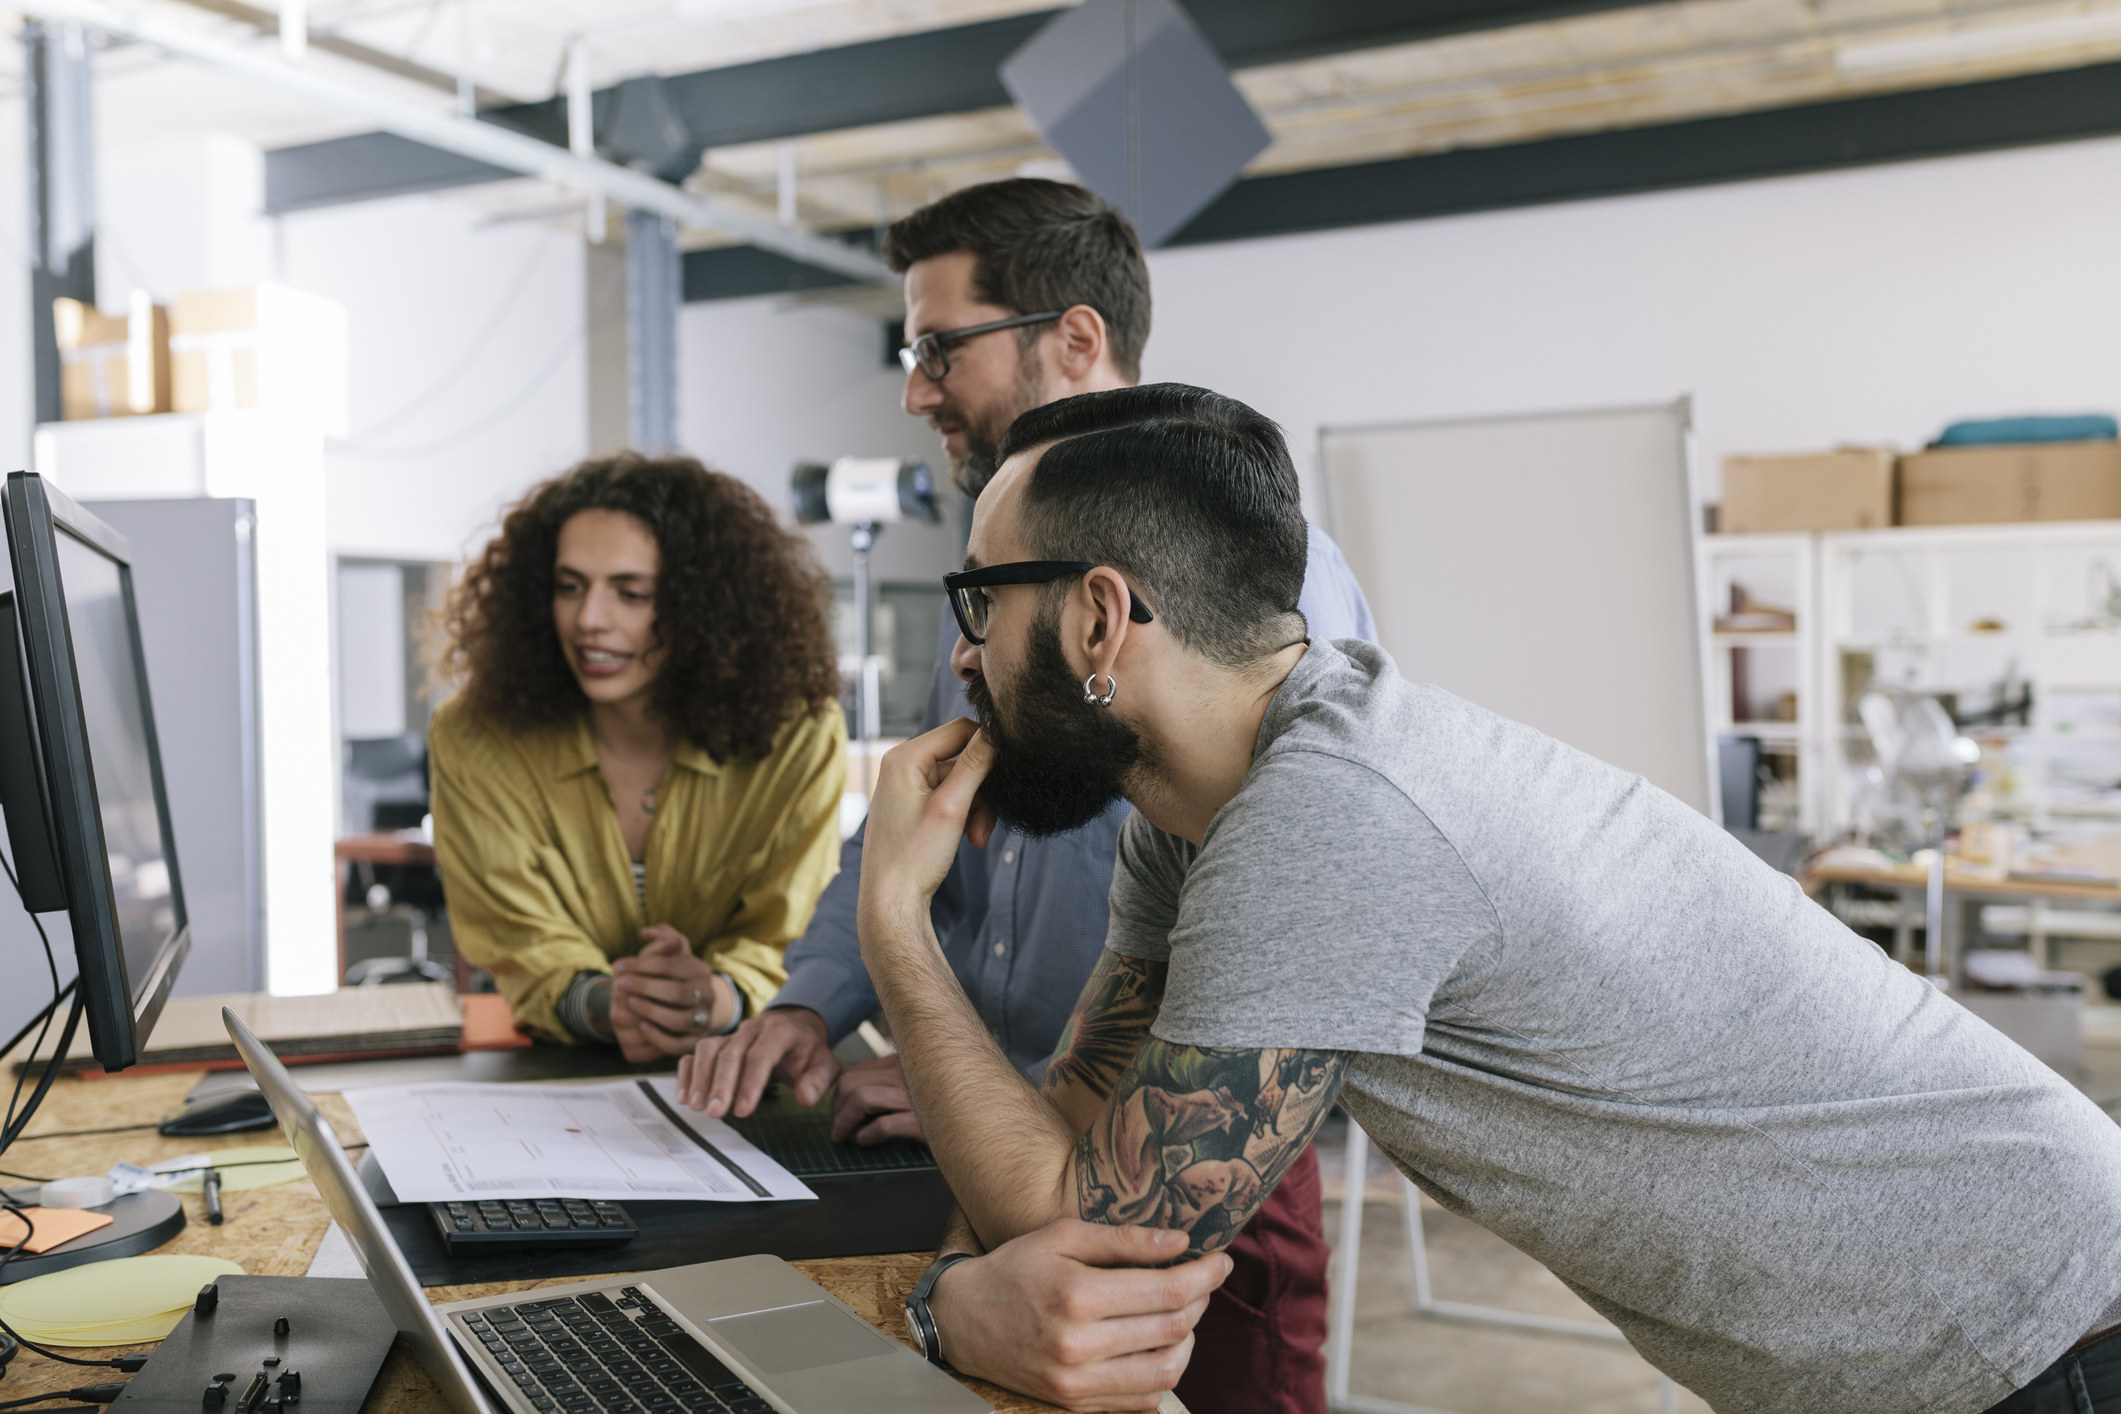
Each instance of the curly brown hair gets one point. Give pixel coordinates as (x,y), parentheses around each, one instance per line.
(739,605)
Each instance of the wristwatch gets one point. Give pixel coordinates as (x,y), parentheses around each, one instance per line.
(919,1322)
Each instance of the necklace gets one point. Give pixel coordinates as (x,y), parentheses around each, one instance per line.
(648,801)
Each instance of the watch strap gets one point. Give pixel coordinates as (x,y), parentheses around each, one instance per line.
(918,1315)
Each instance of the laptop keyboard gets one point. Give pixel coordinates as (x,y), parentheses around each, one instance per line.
(600,1353)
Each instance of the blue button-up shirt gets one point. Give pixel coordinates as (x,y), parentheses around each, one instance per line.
(1022,921)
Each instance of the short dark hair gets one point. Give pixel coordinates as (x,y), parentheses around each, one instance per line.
(1038,245)
(1189,493)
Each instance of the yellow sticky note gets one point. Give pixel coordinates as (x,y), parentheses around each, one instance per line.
(48,1227)
(257,1166)
(124,1301)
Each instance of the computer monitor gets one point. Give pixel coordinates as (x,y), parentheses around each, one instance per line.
(80,770)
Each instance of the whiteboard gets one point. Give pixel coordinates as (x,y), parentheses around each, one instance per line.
(1542,567)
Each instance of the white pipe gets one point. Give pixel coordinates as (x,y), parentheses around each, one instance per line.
(483,142)
(785,194)
(294,30)
(582,129)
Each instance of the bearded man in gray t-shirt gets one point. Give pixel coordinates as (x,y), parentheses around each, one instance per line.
(1570,1008)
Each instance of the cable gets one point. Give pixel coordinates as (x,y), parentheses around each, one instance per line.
(51,964)
(465,434)
(84,1133)
(94,1394)
(37,1020)
(463,362)
(25,1177)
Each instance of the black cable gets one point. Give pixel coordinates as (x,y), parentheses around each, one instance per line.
(25,1177)
(51,965)
(51,1073)
(84,1133)
(29,1230)
(94,1394)
(37,1020)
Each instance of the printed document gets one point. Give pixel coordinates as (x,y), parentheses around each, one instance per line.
(627,1139)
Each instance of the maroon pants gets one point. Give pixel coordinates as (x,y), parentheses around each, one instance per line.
(1260,1347)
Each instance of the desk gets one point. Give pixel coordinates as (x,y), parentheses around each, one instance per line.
(275,1232)
(1962,886)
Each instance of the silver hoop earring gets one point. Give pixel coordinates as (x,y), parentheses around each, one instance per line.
(1090,693)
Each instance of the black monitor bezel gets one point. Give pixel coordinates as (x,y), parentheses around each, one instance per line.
(121,1009)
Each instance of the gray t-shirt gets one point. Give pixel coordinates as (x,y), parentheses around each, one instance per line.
(1797,1177)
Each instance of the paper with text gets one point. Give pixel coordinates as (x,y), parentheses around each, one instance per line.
(628,1139)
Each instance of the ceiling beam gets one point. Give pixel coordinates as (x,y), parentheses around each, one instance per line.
(2022,111)
(482,142)
(905,77)
(2025,111)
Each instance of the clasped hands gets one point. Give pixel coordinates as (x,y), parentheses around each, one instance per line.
(658,995)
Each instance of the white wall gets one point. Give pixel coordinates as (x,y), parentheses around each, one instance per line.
(1871,305)
(468,367)
(764,385)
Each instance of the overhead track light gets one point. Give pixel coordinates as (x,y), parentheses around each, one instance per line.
(468,137)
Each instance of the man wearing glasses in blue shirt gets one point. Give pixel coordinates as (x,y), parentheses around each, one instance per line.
(1020,293)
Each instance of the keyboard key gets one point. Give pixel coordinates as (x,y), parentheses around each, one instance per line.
(699,1360)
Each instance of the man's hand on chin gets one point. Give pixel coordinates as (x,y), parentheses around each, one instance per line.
(1078,1314)
(925,802)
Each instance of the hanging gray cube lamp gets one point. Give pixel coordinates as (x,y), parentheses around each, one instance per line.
(1141,107)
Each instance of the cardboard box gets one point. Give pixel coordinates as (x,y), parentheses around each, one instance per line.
(1850,489)
(2028,481)
(111,366)
(262,346)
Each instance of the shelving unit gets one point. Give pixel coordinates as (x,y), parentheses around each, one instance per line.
(1960,611)
(1761,666)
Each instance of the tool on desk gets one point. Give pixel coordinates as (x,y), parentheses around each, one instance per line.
(267,1345)
(519,1224)
(715,1336)
(211,1187)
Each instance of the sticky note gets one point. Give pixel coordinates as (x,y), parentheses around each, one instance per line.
(48,1227)
(256,1166)
(125,1301)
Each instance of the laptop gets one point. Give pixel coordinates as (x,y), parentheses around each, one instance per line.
(742,1336)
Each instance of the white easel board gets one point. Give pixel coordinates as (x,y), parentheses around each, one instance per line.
(1540,566)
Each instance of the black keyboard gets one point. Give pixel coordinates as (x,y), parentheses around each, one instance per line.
(607,1354)
(800,1140)
(494,1225)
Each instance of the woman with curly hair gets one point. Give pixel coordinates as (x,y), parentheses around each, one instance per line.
(637,785)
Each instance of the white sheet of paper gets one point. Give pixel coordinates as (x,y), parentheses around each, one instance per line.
(449,1143)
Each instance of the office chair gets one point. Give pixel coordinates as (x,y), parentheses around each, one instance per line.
(386,787)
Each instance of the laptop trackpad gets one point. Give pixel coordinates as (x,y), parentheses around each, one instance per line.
(804,1337)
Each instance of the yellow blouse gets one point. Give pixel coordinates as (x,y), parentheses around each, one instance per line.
(540,885)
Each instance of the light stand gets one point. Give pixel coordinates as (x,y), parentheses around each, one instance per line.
(868,676)
(865,494)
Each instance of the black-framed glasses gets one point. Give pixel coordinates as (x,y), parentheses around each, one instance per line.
(972,607)
(930,353)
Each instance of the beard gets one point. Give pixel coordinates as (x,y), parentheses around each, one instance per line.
(1059,761)
(973,468)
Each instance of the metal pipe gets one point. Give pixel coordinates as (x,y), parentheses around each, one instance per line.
(483,142)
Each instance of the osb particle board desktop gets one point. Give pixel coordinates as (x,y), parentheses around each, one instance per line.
(275,1232)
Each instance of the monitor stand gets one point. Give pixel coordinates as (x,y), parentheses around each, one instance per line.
(140,1222)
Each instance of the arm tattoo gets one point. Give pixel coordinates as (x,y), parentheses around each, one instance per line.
(1110,1023)
(1195,1138)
